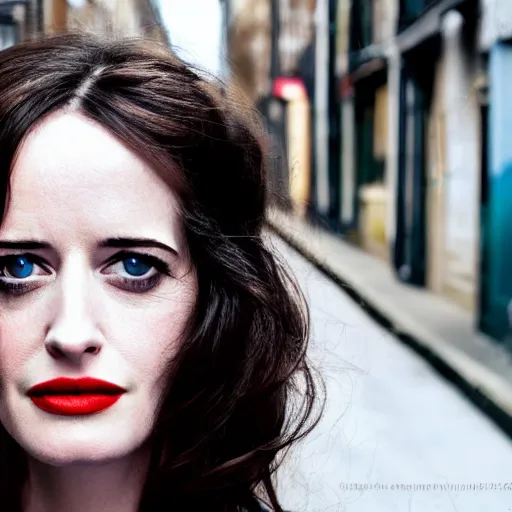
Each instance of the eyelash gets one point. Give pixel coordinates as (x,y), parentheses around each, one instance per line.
(135,285)
(13,287)
(143,284)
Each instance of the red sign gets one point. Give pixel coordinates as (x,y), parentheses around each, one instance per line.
(289,88)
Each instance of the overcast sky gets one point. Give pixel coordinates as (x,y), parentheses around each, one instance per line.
(194,27)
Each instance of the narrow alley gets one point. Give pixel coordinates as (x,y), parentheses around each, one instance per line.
(390,420)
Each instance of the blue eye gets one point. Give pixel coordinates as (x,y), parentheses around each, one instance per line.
(20,267)
(136,267)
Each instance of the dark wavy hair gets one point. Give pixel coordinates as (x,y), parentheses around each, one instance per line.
(240,389)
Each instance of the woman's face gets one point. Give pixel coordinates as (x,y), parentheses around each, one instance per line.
(95,282)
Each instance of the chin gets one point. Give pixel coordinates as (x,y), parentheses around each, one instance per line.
(77,442)
(61,441)
(71,450)
(73,455)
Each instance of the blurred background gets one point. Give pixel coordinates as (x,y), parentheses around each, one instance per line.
(390,169)
(388,119)
(391,119)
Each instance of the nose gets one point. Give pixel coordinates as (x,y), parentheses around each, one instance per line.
(73,333)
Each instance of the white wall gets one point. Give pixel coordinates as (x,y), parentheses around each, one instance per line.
(462,160)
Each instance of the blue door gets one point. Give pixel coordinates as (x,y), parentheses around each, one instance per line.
(496,308)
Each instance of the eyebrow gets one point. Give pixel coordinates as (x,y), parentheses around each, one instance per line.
(23,244)
(125,243)
(119,242)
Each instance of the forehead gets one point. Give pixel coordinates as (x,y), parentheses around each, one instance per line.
(72,167)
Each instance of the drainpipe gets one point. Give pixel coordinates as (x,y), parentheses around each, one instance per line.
(321,107)
(275,63)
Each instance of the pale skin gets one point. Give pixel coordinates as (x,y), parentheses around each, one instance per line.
(74,189)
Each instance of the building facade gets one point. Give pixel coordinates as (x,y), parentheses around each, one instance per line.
(411,155)
(420,100)
(25,19)
(270,45)
(495,44)
(130,18)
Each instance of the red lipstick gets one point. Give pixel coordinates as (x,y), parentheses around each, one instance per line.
(75,397)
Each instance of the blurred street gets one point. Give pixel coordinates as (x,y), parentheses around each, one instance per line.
(390,419)
(389,166)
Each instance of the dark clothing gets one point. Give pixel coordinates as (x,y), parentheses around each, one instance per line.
(259,506)
(264,508)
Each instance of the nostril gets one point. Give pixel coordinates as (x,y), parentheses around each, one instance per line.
(72,349)
(55,351)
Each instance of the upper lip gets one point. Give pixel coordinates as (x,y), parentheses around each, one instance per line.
(72,386)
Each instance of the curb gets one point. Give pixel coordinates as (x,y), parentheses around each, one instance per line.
(485,390)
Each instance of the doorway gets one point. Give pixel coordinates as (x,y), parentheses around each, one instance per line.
(410,243)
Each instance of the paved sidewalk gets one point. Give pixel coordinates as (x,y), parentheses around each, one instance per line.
(439,327)
(394,436)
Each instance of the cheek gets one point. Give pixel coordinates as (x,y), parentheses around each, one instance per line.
(21,337)
(151,335)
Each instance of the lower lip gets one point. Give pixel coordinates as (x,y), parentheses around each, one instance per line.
(75,405)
